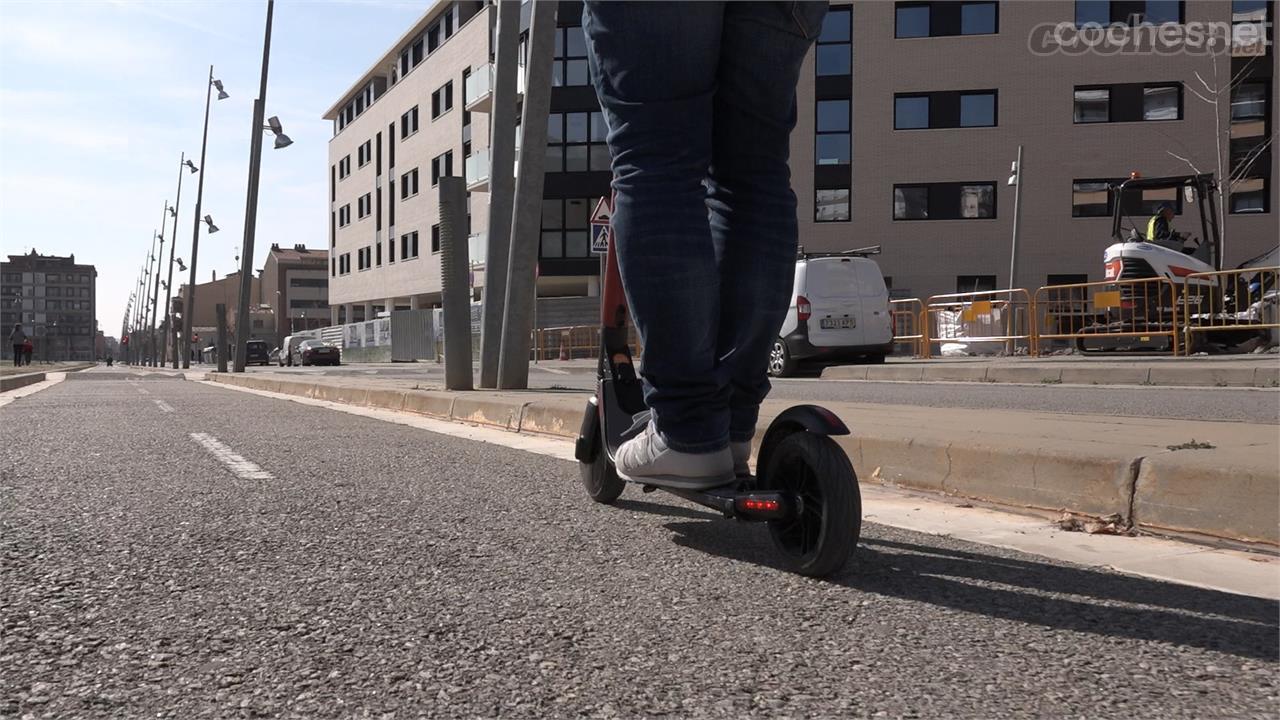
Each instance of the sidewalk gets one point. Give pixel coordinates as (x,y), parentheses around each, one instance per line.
(1217,480)
(1260,370)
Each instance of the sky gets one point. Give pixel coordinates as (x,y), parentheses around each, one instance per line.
(98,99)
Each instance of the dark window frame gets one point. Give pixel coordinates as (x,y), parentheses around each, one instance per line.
(953,12)
(939,101)
(949,188)
(847,43)
(848,203)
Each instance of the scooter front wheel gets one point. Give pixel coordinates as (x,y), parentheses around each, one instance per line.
(819,538)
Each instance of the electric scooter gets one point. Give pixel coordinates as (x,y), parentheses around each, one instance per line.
(805,489)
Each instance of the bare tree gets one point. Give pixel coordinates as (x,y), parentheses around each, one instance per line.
(1219,94)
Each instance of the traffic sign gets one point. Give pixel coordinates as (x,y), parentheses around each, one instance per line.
(603,214)
(600,239)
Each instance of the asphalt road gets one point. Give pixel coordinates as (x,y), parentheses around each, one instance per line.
(356,568)
(1224,404)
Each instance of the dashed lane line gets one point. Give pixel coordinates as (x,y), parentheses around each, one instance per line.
(163,405)
(238,466)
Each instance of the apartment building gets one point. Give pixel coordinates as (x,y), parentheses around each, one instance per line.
(226,291)
(295,283)
(909,115)
(54,298)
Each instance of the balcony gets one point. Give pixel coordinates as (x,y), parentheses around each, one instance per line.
(477,91)
(476,171)
(477,246)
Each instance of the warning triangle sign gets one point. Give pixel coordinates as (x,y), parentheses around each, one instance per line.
(603,214)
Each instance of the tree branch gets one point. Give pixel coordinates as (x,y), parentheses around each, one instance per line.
(1190,164)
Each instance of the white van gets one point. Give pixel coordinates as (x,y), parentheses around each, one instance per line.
(839,312)
(289,348)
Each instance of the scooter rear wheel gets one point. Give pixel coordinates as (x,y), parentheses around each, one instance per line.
(813,468)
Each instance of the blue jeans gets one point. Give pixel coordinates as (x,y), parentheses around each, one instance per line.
(700,99)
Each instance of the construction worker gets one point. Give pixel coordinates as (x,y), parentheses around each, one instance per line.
(1160,227)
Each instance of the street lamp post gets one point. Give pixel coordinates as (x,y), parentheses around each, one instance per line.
(146,290)
(155,297)
(242,330)
(188,312)
(183,164)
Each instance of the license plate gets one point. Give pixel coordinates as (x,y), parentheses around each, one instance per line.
(837,323)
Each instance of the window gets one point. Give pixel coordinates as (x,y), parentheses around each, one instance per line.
(942,19)
(1128,12)
(344,167)
(344,263)
(945,201)
(1250,147)
(409,246)
(435,238)
(408,185)
(308,283)
(364,206)
(1092,105)
(570,66)
(362,259)
(951,109)
(911,21)
(1162,102)
(910,112)
(975,283)
(576,142)
(379,153)
(1090,198)
(409,122)
(978,109)
(831,145)
(831,205)
(1128,102)
(391,146)
(565,228)
(344,215)
(1250,195)
(833,53)
(442,100)
(1249,23)
(333,266)
(441,166)
(364,153)
(391,250)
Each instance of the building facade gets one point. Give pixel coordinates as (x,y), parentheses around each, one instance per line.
(295,283)
(909,115)
(227,292)
(54,298)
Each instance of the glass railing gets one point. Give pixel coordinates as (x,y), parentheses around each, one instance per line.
(478,84)
(476,167)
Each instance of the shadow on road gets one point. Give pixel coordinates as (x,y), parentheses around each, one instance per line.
(1053,596)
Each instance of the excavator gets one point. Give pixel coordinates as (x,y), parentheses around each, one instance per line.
(1204,300)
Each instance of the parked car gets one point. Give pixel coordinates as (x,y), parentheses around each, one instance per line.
(274,355)
(256,353)
(288,349)
(316,352)
(839,312)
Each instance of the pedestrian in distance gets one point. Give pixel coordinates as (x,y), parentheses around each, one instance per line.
(16,339)
(700,102)
(27,349)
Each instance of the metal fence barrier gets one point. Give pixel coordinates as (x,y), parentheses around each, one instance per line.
(1239,302)
(1112,313)
(907,317)
(579,342)
(984,321)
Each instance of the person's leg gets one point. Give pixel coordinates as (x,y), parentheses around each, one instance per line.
(17,355)
(654,66)
(753,209)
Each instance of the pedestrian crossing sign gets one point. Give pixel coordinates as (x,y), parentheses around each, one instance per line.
(599,239)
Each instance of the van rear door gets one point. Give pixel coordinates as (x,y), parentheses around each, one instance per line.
(832,289)
(876,323)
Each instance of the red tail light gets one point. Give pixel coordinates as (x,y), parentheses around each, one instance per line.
(761,505)
(803,308)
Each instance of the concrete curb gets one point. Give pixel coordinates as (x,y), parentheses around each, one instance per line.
(1163,375)
(13,382)
(1179,492)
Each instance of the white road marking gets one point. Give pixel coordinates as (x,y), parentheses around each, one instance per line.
(557,371)
(1166,559)
(163,405)
(235,463)
(141,390)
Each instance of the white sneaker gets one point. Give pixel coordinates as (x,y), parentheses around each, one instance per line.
(645,458)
